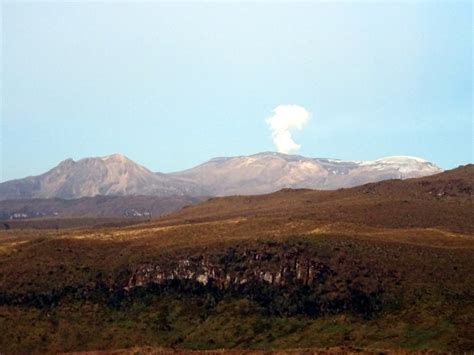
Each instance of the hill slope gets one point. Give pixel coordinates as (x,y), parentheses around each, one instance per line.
(384,266)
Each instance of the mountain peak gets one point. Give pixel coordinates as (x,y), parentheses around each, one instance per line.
(115,157)
(67,162)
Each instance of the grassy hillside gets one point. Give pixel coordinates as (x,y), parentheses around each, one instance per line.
(391,268)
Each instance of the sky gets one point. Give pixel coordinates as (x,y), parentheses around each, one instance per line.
(173,84)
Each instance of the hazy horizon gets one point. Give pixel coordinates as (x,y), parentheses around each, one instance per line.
(171,85)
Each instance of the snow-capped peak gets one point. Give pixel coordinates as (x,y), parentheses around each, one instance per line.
(406,166)
(400,159)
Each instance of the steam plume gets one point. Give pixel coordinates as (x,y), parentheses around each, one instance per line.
(286,118)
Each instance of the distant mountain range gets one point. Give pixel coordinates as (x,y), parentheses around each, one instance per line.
(116,175)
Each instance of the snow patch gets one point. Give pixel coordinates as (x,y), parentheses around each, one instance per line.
(400,159)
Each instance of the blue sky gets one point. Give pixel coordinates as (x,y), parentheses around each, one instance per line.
(174,84)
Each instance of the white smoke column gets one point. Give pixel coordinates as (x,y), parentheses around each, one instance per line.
(284,119)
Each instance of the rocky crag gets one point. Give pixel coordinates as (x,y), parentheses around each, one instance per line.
(284,278)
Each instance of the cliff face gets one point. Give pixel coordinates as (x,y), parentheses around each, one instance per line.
(236,267)
(286,278)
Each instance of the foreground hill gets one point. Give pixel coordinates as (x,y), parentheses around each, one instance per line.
(288,270)
(116,175)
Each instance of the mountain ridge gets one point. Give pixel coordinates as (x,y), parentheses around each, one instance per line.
(117,175)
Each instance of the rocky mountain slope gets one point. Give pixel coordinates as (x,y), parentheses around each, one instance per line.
(113,175)
(268,172)
(117,175)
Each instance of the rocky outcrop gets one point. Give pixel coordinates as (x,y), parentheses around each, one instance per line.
(237,267)
(287,278)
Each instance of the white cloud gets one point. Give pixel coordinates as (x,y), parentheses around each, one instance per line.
(286,118)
